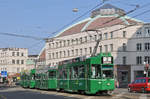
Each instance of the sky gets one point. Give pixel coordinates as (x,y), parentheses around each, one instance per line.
(42,18)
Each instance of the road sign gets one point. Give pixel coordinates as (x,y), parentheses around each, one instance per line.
(3,73)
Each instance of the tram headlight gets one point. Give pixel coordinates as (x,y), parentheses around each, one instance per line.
(108,84)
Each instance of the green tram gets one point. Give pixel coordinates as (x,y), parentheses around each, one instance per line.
(32,78)
(83,75)
(52,79)
(25,80)
(91,76)
(46,78)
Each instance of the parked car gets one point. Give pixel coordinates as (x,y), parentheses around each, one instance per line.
(141,84)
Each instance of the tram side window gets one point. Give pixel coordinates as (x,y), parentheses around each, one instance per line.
(52,74)
(75,72)
(33,77)
(60,74)
(96,71)
(64,73)
(81,72)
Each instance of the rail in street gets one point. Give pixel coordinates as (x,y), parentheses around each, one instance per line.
(18,92)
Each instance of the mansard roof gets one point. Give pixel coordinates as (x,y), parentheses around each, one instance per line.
(100,20)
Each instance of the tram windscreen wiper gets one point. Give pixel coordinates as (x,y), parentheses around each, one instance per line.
(107,74)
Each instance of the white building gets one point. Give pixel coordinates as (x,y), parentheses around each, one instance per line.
(31,62)
(13,60)
(128,40)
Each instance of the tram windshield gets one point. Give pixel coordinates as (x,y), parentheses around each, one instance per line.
(107,74)
(96,71)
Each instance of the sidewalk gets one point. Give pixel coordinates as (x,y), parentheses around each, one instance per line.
(119,90)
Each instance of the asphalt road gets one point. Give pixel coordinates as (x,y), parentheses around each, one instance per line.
(21,93)
(28,95)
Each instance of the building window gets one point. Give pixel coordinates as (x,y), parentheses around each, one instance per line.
(100,48)
(111,35)
(53,55)
(13,61)
(18,61)
(56,44)
(124,76)
(76,40)
(138,60)
(72,52)
(72,41)
(68,42)
(76,51)
(90,37)
(60,54)
(49,45)
(56,54)
(138,33)
(81,40)
(49,55)
(85,38)
(64,43)
(147,30)
(124,33)
(80,51)
(124,47)
(22,61)
(124,60)
(147,59)
(60,43)
(90,50)
(147,46)
(95,37)
(64,54)
(53,45)
(105,35)
(22,54)
(85,51)
(100,36)
(13,53)
(17,53)
(106,48)
(139,46)
(68,53)
(111,47)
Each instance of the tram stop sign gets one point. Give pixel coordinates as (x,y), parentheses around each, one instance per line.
(3,73)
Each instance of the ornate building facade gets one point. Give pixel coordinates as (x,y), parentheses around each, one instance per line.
(128,40)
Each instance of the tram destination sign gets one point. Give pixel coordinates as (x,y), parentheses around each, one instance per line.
(107,60)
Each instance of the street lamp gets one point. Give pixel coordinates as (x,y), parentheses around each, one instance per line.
(75,10)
